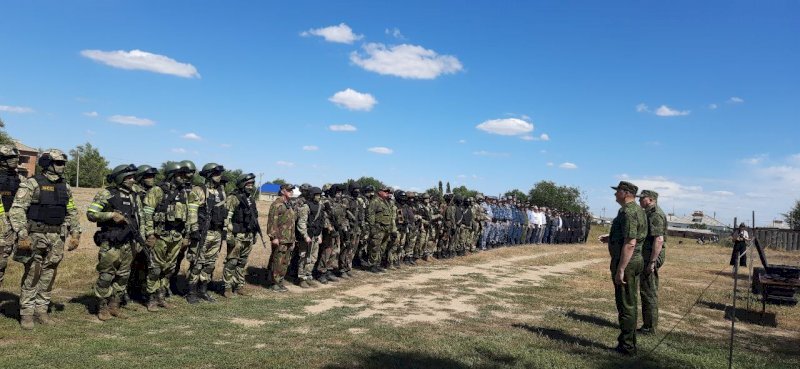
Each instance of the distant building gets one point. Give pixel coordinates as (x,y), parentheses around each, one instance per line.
(27,159)
(779,224)
(269,191)
(698,220)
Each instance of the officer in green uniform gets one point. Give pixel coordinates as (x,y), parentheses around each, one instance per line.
(281,224)
(653,255)
(628,231)
(117,210)
(381,222)
(242,228)
(170,214)
(10,180)
(211,229)
(42,215)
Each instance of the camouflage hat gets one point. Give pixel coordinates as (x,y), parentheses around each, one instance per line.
(287,186)
(649,193)
(8,150)
(386,189)
(626,186)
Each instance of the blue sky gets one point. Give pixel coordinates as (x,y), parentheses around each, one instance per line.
(697,100)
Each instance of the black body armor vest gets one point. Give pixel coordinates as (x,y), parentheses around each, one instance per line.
(9,184)
(52,206)
(245,216)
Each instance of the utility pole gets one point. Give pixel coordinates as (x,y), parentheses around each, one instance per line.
(260,183)
(78,170)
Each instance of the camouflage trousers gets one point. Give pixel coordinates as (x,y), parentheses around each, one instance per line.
(349,246)
(113,269)
(329,252)
(239,246)
(41,263)
(8,239)
(396,248)
(378,244)
(410,244)
(308,254)
(430,242)
(279,262)
(163,264)
(202,263)
(463,239)
(422,243)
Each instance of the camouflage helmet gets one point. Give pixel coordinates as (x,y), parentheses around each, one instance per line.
(244,179)
(369,188)
(400,195)
(120,172)
(172,169)
(304,188)
(188,165)
(51,155)
(210,168)
(144,170)
(425,196)
(326,187)
(8,150)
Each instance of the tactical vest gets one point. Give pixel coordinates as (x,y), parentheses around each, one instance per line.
(166,214)
(315,219)
(113,232)
(245,216)
(52,206)
(9,184)
(467,217)
(214,209)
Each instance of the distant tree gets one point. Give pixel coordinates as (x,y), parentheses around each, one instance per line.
(440,188)
(230,177)
(370,181)
(278,181)
(517,195)
(5,138)
(547,193)
(793,216)
(434,193)
(93,167)
(463,191)
(448,187)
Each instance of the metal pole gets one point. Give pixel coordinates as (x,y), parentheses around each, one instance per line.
(733,312)
(750,267)
(78,170)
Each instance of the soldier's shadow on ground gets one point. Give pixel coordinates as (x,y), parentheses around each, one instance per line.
(9,305)
(88,301)
(742,277)
(591,319)
(560,335)
(752,316)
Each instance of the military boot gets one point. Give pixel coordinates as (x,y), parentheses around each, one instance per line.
(241,291)
(191,297)
(203,292)
(161,301)
(303,284)
(41,316)
(331,277)
(152,303)
(323,279)
(228,293)
(26,322)
(113,308)
(103,314)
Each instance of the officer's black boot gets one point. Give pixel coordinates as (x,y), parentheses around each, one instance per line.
(191,297)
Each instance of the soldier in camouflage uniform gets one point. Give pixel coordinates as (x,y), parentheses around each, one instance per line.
(362,253)
(170,215)
(310,222)
(336,228)
(281,224)
(10,179)
(406,225)
(381,220)
(42,215)
(188,250)
(628,232)
(653,254)
(137,282)
(357,211)
(425,216)
(242,228)
(211,217)
(117,210)
(450,228)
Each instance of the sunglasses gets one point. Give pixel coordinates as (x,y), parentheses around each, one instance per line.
(59,163)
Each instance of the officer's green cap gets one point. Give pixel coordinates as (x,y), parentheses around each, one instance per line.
(626,186)
(649,193)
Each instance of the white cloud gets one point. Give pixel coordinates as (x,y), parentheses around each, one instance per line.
(179,150)
(405,61)
(666,111)
(395,32)
(712,106)
(282,163)
(506,127)
(462,141)
(16,109)
(380,150)
(353,100)
(735,100)
(342,34)
(550,164)
(527,138)
(342,128)
(795,158)
(489,153)
(755,159)
(131,120)
(142,60)
(310,148)
(642,108)
(568,165)
(192,136)
(723,193)
(544,137)
(461,176)
(91,114)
